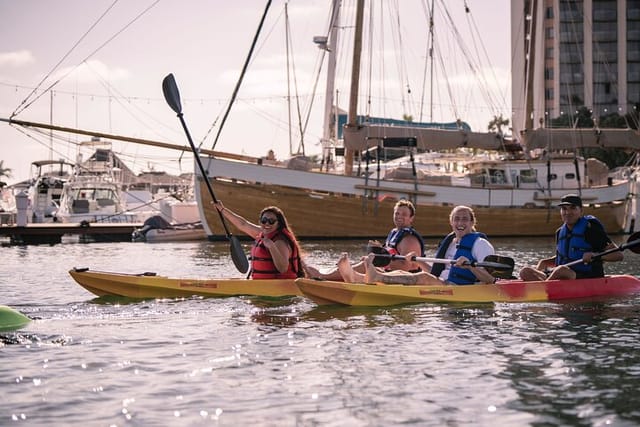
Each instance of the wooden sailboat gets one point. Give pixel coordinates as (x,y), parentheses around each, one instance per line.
(512,196)
(356,204)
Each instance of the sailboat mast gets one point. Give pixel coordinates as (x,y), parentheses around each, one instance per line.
(355,79)
(431,63)
(51,122)
(287,41)
(328,133)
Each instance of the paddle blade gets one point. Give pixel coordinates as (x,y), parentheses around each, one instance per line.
(504,269)
(238,256)
(633,243)
(171,93)
(381,260)
(382,256)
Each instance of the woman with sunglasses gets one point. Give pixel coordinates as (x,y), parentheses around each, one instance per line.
(276,252)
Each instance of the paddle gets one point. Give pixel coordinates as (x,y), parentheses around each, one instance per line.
(633,243)
(383,259)
(172,96)
(501,273)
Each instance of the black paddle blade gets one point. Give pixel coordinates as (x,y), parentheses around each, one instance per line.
(501,261)
(171,93)
(382,256)
(633,243)
(238,256)
(381,260)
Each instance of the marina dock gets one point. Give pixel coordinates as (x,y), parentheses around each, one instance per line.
(51,233)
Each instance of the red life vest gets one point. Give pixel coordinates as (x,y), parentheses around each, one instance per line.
(262,265)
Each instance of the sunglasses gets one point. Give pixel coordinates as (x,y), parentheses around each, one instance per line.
(270,221)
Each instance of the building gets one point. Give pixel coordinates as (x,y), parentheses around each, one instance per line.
(573,53)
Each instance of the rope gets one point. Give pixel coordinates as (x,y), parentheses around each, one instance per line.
(242,73)
(22,105)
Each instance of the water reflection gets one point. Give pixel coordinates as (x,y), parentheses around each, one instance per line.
(575,352)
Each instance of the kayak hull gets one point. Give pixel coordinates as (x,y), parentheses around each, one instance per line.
(150,285)
(379,294)
(11,319)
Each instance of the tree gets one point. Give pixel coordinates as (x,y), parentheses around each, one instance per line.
(6,172)
(497,123)
(583,119)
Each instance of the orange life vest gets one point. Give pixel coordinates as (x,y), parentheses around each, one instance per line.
(262,265)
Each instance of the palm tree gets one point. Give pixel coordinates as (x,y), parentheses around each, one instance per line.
(6,172)
(497,123)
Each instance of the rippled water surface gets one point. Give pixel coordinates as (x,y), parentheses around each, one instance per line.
(287,362)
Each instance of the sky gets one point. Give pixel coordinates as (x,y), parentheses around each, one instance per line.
(98,65)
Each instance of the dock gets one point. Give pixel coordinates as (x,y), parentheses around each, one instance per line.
(51,233)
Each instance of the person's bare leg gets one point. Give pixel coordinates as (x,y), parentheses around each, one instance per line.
(530,274)
(311,271)
(333,274)
(562,272)
(371,273)
(398,277)
(347,271)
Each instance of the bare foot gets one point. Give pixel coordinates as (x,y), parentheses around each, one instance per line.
(371,275)
(345,268)
(312,272)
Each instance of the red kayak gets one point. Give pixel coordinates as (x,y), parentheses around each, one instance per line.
(379,294)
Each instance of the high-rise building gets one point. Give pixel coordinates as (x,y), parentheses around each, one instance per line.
(569,54)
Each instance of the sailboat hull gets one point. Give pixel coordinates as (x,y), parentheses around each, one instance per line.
(323,205)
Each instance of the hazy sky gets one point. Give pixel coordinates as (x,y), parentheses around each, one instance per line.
(98,65)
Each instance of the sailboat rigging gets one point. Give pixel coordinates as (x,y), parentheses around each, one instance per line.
(496,189)
(510,194)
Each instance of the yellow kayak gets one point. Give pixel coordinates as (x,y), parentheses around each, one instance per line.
(150,285)
(379,294)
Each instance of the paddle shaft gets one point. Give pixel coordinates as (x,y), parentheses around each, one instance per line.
(172,96)
(451,261)
(203,172)
(620,248)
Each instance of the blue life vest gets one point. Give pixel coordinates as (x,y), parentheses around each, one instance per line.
(572,244)
(394,238)
(397,234)
(458,275)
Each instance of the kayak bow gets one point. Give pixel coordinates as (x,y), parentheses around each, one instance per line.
(11,319)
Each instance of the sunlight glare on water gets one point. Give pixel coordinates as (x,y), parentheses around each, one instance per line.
(288,362)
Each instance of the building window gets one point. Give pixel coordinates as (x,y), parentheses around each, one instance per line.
(548,94)
(549,32)
(548,53)
(548,14)
(548,73)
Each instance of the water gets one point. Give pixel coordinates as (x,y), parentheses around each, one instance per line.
(240,361)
